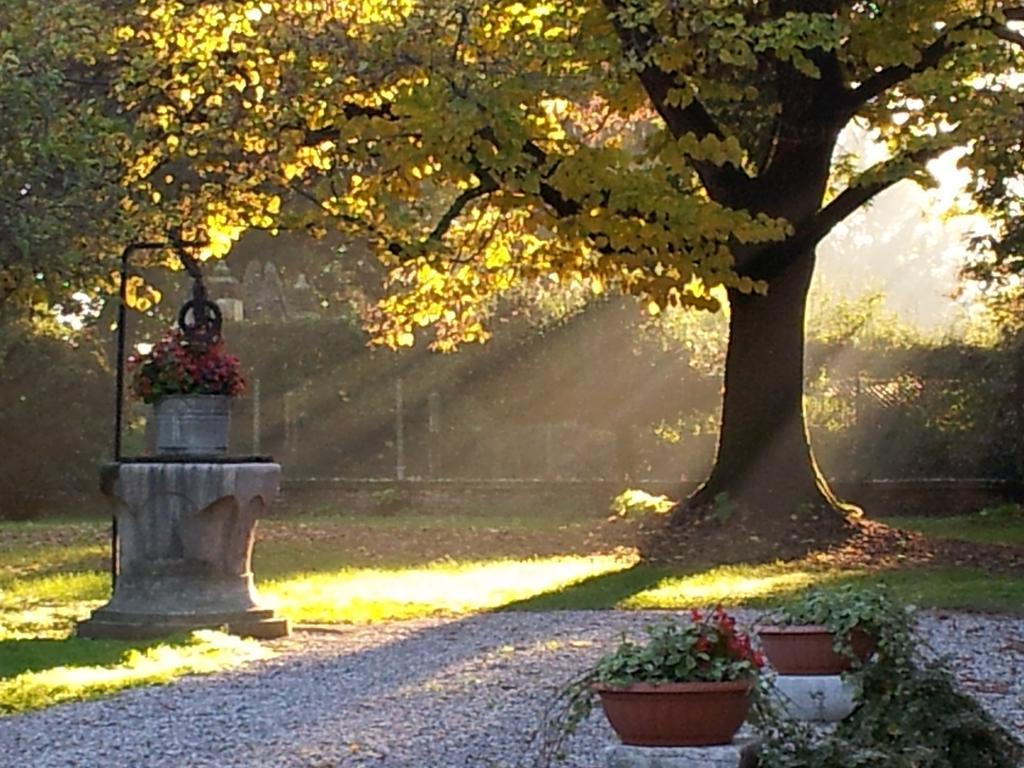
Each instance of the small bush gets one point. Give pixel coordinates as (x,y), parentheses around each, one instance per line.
(633,502)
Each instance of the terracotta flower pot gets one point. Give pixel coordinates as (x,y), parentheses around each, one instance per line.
(677,714)
(808,650)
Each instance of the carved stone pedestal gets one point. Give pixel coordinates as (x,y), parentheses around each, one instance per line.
(742,753)
(186,532)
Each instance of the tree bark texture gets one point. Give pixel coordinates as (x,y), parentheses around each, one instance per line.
(764,460)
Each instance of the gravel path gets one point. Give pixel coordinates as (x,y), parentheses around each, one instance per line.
(418,694)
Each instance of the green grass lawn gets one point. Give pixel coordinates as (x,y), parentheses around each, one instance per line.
(998,525)
(52,574)
(326,569)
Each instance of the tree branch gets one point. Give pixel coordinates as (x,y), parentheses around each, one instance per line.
(485,187)
(881,81)
(313,137)
(1010,36)
(816,227)
(721,181)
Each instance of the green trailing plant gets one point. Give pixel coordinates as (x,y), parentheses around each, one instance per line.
(915,716)
(909,711)
(845,609)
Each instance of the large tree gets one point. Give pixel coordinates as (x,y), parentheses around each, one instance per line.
(659,147)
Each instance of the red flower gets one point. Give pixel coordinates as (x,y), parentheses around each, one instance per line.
(175,366)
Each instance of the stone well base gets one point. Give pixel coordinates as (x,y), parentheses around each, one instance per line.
(186,531)
(106,624)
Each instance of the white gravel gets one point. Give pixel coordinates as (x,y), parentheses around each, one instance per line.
(422,694)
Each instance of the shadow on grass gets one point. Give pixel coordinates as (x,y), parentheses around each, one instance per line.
(604,591)
(766,587)
(37,655)
(654,587)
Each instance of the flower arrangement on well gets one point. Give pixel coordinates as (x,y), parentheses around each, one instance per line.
(177,366)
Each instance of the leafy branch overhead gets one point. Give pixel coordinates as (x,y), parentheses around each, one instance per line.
(662,147)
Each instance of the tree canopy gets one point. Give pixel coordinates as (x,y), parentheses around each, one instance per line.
(624,143)
(651,145)
(665,148)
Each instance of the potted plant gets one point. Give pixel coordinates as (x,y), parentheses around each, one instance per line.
(910,713)
(689,684)
(828,631)
(189,384)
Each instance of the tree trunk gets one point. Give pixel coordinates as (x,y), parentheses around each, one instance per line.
(764,464)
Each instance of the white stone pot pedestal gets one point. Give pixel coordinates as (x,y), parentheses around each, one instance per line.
(186,532)
(742,753)
(815,698)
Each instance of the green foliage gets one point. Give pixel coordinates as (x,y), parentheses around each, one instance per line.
(707,649)
(842,609)
(884,400)
(582,142)
(916,715)
(848,608)
(860,322)
(909,714)
(56,401)
(61,145)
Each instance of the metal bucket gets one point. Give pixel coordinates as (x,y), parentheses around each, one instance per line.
(192,425)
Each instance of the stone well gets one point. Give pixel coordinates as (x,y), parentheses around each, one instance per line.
(186,529)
